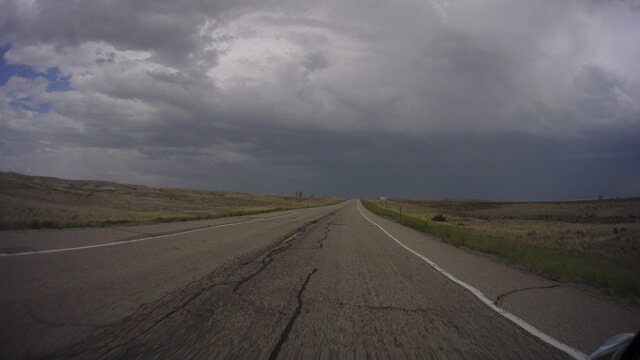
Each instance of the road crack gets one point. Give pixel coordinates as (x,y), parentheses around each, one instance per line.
(503,295)
(387,308)
(285,334)
(103,340)
(132,231)
(107,338)
(320,240)
(327,230)
(266,260)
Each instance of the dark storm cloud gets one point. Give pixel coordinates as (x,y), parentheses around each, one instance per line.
(633,5)
(373,163)
(167,28)
(495,167)
(495,99)
(315,61)
(499,166)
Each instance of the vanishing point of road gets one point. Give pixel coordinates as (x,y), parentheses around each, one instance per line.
(331,282)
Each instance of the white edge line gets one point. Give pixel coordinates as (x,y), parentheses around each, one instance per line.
(523,324)
(146,238)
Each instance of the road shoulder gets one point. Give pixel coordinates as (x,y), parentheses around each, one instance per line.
(563,311)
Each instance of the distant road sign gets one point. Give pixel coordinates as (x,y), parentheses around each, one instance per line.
(383,198)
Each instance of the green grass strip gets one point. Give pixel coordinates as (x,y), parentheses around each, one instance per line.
(38,224)
(584,268)
(51,224)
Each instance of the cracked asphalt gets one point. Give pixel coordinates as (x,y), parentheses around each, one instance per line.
(319,283)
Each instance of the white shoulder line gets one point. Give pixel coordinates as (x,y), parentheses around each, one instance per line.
(523,324)
(146,238)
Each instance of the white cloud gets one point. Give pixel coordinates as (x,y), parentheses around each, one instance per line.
(491,57)
(202,75)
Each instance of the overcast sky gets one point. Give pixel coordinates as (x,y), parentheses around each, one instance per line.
(494,99)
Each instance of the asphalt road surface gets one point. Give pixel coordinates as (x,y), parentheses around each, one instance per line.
(314,283)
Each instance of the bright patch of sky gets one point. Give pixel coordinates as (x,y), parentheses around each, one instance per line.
(56,82)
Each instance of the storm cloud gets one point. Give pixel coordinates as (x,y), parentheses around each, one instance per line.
(495,99)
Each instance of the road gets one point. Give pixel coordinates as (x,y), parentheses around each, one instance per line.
(313,283)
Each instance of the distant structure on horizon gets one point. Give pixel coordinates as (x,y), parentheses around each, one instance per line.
(299,194)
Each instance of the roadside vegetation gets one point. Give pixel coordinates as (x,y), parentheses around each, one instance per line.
(32,202)
(51,224)
(613,269)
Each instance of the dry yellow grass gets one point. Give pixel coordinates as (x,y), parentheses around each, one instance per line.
(589,242)
(610,228)
(28,199)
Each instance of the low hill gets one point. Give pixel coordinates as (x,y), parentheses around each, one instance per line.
(37,201)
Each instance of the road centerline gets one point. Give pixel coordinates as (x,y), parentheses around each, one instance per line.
(116,243)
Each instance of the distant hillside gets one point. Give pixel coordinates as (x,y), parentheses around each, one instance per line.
(37,201)
(613,211)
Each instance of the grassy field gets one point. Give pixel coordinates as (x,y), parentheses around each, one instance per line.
(28,202)
(590,242)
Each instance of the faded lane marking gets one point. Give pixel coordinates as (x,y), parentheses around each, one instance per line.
(516,320)
(147,238)
(290,238)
